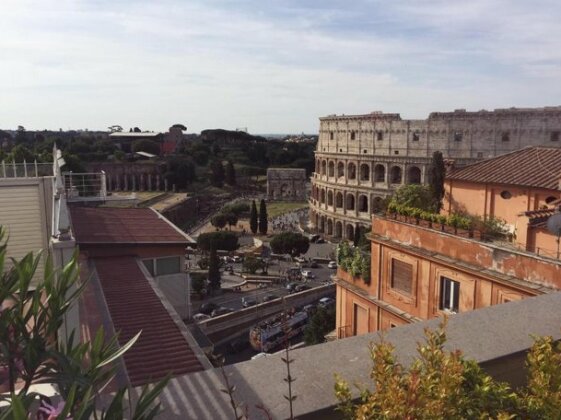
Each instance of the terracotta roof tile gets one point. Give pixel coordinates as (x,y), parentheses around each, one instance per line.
(538,167)
(117,225)
(134,306)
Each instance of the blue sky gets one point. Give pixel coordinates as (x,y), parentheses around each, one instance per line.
(271,66)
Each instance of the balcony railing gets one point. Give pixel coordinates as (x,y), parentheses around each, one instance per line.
(25,170)
(85,186)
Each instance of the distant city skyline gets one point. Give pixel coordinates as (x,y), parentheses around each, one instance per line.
(273,67)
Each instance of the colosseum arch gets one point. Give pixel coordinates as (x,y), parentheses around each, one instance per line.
(414,175)
(329,227)
(377,204)
(350,201)
(340,170)
(365,172)
(395,175)
(338,230)
(339,200)
(322,196)
(329,198)
(331,169)
(351,171)
(323,167)
(379,173)
(322,224)
(350,232)
(363,203)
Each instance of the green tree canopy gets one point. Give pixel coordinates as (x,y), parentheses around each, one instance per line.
(290,243)
(180,171)
(321,323)
(416,196)
(225,241)
(443,384)
(219,220)
(146,145)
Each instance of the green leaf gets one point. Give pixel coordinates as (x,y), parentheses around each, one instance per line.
(121,351)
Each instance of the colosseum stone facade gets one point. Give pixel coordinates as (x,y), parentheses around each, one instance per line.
(360,159)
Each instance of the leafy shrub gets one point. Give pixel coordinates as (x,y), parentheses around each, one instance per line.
(290,243)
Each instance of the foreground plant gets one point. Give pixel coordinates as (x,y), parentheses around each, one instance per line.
(31,351)
(443,384)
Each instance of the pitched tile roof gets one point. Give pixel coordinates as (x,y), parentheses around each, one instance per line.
(538,167)
(97,225)
(134,306)
(539,218)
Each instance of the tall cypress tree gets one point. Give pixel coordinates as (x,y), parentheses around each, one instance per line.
(263,223)
(230,175)
(253,221)
(437,173)
(213,269)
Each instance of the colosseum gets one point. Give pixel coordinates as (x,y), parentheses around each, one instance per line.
(360,159)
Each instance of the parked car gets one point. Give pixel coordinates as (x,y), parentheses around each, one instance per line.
(247,302)
(238,345)
(301,288)
(198,317)
(332,264)
(221,311)
(308,274)
(314,264)
(207,308)
(269,298)
(320,241)
(300,259)
(326,302)
(310,309)
(237,259)
(259,355)
(291,286)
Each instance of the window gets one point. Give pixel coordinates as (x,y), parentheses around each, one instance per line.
(479,154)
(396,152)
(458,136)
(331,135)
(506,195)
(554,136)
(416,136)
(550,199)
(449,295)
(505,136)
(353,135)
(163,266)
(365,151)
(380,136)
(402,276)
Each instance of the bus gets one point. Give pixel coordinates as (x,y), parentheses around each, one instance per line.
(273,332)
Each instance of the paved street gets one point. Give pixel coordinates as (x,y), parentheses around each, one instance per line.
(233,300)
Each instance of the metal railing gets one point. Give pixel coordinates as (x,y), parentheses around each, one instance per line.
(25,170)
(85,186)
(344,331)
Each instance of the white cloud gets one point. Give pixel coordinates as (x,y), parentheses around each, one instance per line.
(207,64)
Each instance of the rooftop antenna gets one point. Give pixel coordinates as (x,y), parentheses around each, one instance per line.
(554,226)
